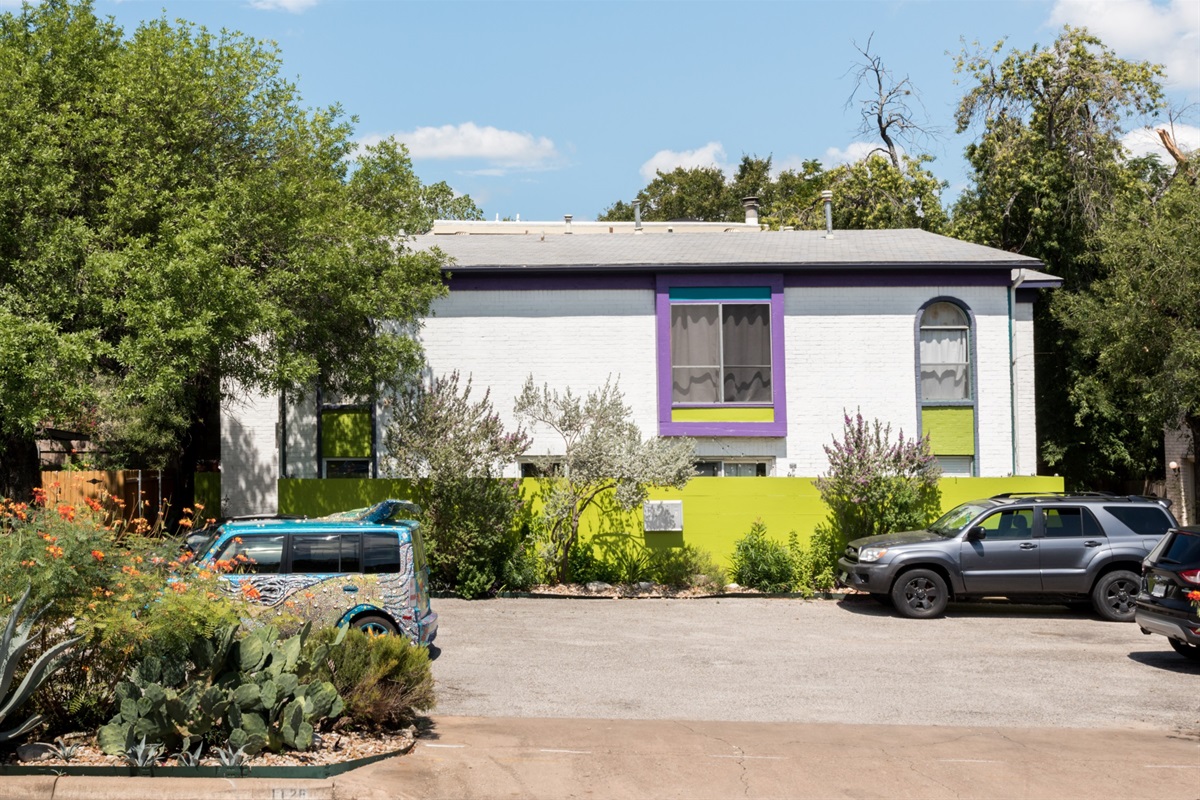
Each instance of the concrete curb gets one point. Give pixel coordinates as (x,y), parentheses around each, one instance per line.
(51,787)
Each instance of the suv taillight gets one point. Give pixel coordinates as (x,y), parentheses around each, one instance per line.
(1191,576)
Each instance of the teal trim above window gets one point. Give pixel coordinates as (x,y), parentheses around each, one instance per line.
(688,293)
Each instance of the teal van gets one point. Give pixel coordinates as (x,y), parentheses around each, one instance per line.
(364,568)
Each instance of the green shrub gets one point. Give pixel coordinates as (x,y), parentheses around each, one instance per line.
(454,449)
(384,680)
(760,562)
(684,567)
(585,567)
(129,593)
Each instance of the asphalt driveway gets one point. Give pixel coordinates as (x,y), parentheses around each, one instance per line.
(789,660)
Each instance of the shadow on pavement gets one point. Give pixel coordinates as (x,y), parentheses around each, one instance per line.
(1166,659)
(870,607)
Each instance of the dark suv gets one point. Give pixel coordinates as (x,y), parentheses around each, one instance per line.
(1170,581)
(1060,546)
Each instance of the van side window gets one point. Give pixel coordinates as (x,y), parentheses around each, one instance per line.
(253,554)
(351,562)
(381,552)
(319,554)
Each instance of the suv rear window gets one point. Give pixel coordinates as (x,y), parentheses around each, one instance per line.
(1145,520)
(1183,549)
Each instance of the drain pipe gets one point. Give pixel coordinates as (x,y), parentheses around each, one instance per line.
(1012,368)
(637,216)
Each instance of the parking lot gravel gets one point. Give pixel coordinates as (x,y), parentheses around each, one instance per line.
(790,660)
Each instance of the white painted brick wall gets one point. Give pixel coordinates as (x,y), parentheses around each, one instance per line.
(249,454)
(851,348)
(564,339)
(845,348)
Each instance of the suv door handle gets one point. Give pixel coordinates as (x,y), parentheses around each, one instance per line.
(1092,543)
(1028,545)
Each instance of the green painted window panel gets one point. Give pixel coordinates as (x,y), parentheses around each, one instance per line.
(685,293)
(951,430)
(722,415)
(346,434)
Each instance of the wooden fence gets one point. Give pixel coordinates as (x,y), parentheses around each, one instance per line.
(144,491)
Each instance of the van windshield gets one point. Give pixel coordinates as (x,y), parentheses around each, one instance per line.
(957,518)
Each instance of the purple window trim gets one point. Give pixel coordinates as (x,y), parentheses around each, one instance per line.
(662,311)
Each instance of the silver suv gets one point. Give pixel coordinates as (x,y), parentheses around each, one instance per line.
(1069,547)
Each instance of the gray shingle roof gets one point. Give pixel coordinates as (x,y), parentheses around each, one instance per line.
(906,248)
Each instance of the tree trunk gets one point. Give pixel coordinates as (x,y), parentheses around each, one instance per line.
(20,471)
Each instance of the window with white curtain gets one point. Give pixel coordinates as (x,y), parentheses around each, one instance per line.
(720,353)
(945,353)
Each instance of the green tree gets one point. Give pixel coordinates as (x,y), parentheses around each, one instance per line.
(603,453)
(699,193)
(871,194)
(173,224)
(454,449)
(1139,324)
(1046,167)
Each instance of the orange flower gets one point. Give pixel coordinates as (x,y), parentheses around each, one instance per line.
(1194,597)
(96,554)
(55,551)
(185,523)
(250,592)
(67,512)
(237,539)
(48,537)
(199,507)
(39,496)
(179,586)
(94,505)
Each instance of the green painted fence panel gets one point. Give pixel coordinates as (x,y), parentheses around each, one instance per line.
(716,511)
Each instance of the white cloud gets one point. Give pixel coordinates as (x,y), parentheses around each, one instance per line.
(503,150)
(294,6)
(1165,32)
(1145,141)
(855,151)
(710,155)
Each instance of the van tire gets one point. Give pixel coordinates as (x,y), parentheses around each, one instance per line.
(374,623)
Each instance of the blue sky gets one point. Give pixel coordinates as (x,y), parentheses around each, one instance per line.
(546,108)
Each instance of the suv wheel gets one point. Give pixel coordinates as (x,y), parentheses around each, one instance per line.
(920,594)
(1114,595)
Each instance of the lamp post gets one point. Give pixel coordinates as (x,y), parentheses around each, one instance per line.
(1174,465)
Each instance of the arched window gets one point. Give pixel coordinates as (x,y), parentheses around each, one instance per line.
(945,353)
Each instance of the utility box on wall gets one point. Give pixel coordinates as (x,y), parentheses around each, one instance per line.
(663,515)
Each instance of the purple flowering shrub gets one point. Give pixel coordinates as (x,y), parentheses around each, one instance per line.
(876,485)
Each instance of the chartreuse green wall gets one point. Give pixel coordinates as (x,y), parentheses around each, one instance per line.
(951,430)
(716,511)
(346,434)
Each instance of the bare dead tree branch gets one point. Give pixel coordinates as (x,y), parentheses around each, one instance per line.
(886,105)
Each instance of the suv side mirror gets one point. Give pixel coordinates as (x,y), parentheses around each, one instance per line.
(976,534)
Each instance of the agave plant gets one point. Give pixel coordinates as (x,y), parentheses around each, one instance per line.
(15,641)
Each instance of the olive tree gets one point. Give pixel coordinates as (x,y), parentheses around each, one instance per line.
(603,453)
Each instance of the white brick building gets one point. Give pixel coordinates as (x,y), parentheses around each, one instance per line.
(754,343)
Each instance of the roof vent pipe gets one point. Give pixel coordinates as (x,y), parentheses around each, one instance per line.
(827,198)
(751,206)
(567,219)
(637,216)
